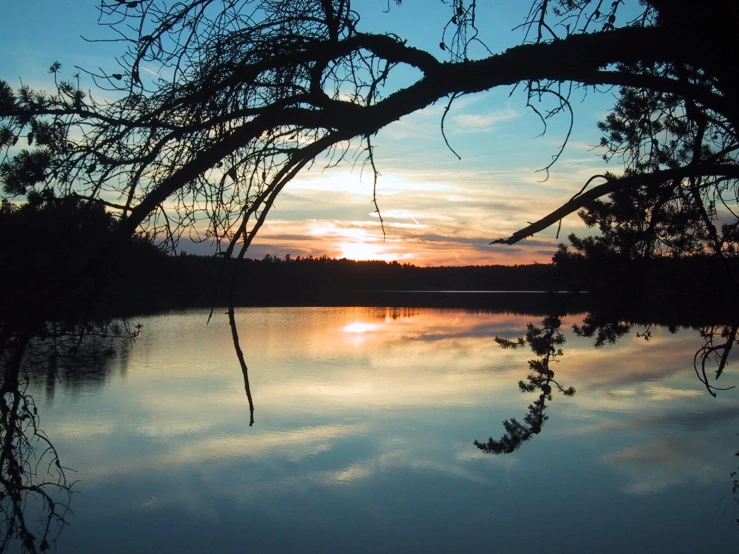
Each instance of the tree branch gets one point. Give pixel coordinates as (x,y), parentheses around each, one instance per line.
(614,183)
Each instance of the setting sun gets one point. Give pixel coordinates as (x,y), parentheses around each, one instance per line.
(366,251)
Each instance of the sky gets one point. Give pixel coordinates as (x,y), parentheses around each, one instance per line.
(437,209)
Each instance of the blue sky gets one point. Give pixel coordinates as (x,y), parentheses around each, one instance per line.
(437,209)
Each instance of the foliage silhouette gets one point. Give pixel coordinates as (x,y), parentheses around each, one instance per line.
(48,247)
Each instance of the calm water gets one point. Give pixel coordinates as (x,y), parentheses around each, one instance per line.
(365,420)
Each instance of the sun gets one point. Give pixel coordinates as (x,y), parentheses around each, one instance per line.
(364,251)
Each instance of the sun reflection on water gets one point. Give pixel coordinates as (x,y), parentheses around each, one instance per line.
(360,327)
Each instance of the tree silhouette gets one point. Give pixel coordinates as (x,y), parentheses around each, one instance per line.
(258,90)
(51,319)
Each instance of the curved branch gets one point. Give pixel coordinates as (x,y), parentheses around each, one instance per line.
(614,183)
(578,58)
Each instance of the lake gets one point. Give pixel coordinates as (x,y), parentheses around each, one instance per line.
(363,439)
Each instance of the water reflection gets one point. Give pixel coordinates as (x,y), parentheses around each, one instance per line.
(363,439)
(31,474)
(35,493)
(546,343)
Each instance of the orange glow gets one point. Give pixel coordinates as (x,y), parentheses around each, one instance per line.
(359,327)
(280,237)
(431,254)
(366,251)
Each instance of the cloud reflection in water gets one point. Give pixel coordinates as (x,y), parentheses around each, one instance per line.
(348,428)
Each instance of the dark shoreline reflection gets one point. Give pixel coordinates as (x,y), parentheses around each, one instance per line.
(88,367)
(523,302)
(35,492)
(269,331)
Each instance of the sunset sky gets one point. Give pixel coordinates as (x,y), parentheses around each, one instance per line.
(438,210)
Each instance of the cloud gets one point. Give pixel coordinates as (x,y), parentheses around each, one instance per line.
(294,445)
(688,422)
(483,122)
(662,463)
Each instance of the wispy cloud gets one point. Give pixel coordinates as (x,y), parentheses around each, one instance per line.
(482,122)
(657,465)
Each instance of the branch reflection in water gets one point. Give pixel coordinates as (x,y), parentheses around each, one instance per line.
(35,493)
(546,342)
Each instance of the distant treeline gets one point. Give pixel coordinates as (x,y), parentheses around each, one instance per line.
(669,287)
(185,280)
(60,260)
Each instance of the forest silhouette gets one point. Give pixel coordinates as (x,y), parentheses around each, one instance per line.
(50,240)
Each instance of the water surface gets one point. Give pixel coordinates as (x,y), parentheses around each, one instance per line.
(365,419)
